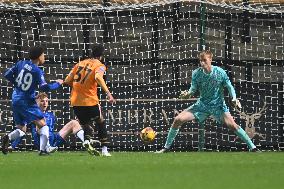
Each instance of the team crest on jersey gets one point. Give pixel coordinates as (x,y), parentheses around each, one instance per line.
(102,69)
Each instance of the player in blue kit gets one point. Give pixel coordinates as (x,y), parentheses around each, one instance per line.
(55,139)
(26,77)
(210,81)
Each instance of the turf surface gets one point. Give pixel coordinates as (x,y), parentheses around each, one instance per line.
(133,170)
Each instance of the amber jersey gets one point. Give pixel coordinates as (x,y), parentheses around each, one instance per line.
(84,85)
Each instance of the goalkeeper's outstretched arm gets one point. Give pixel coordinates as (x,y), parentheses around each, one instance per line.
(232,92)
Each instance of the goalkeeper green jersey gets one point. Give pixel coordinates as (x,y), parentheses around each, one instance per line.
(211,86)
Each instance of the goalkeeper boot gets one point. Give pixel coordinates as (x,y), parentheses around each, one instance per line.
(164,150)
(5,144)
(90,148)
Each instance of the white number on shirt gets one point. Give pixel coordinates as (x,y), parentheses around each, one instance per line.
(24,80)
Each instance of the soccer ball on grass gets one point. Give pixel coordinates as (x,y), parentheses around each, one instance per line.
(148,134)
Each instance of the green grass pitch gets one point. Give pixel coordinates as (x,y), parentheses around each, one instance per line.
(141,170)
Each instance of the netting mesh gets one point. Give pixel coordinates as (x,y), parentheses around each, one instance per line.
(151,51)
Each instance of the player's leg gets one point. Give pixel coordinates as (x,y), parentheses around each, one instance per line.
(19,118)
(85,115)
(179,120)
(103,136)
(230,122)
(50,146)
(32,113)
(15,136)
(195,111)
(72,127)
(18,140)
(43,135)
(102,131)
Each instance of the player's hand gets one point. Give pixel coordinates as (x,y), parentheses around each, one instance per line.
(184,95)
(60,81)
(237,103)
(110,98)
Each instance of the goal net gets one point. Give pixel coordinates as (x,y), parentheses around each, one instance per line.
(151,51)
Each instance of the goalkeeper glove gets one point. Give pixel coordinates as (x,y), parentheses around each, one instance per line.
(184,95)
(237,103)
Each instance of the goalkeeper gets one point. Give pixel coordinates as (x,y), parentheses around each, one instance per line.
(210,81)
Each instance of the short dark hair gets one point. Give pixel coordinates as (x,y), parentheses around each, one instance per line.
(98,50)
(35,52)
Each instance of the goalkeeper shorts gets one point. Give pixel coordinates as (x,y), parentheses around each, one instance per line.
(201,112)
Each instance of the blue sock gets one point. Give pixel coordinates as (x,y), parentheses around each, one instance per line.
(171,136)
(243,135)
(16,142)
(58,140)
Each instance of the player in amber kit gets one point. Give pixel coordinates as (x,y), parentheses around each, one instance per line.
(84,80)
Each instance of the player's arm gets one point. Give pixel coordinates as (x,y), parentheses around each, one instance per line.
(100,80)
(231,90)
(10,74)
(193,88)
(70,77)
(43,86)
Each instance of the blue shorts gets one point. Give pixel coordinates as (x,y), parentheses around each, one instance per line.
(25,114)
(54,139)
(201,112)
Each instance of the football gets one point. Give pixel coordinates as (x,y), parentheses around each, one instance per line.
(148,134)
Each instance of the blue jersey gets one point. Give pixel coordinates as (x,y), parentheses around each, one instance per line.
(50,120)
(54,138)
(27,77)
(211,86)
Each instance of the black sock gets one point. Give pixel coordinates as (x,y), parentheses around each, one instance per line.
(102,133)
(88,131)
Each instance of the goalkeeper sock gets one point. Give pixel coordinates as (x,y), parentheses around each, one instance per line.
(243,135)
(171,136)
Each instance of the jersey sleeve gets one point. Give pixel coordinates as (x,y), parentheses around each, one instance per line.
(10,74)
(70,77)
(41,79)
(100,70)
(227,83)
(43,86)
(193,86)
